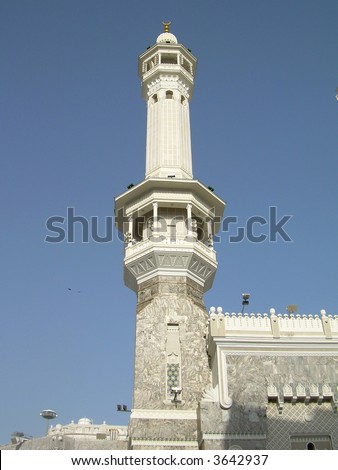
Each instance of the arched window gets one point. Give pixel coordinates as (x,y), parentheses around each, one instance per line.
(310,446)
(169,95)
(138,229)
(182,99)
(155,99)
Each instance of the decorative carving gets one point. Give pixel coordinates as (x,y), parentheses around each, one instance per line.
(150,224)
(210,241)
(303,393)
(287,390)
(200,268)
(210,394)
(173,261)
(300,389)
(142,266)
(128,237)
(272,391)
(151,353)
(314,390)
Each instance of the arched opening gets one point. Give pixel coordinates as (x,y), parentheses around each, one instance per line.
(169,95)
(186,65)
(168,59)
(200,228)
(138,229)
(310,446)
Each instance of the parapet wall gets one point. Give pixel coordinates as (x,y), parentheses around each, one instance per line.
(273,325)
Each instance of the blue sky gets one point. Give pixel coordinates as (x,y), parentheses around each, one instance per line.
(264,133)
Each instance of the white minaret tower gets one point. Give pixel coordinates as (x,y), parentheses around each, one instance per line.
(168,221)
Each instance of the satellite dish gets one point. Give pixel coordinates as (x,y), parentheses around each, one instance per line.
(292,308)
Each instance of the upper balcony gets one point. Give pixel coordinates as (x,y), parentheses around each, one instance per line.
(135,249)
(164,60)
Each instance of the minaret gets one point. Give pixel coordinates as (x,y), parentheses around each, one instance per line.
(168,220)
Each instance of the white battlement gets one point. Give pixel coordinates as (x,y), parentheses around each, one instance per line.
(86,429)
(273,325)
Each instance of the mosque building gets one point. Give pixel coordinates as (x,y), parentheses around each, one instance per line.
(202,380)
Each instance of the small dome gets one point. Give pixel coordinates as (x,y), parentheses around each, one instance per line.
(85,421)
(166,38)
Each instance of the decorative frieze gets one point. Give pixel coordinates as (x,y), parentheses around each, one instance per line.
(143,444)
(303,392)
(164,414)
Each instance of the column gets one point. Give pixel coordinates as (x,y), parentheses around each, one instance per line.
(189,219)
(155,216)
(210,237)
(130,231)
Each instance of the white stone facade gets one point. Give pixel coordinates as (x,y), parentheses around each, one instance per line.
(274,377)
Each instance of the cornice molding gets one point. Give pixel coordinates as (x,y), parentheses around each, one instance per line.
(164,414)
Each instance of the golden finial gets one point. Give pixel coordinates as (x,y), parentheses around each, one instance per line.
(166,26)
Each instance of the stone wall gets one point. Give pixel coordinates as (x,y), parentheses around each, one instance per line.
(274,397)
(312,421)
(67,443)
(161,302)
